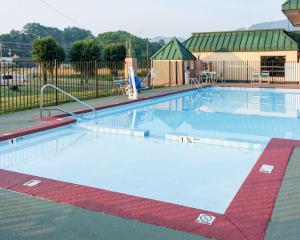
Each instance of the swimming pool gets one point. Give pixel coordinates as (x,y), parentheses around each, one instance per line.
(193,149)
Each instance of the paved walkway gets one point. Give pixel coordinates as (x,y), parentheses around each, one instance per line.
(285,221)
(27,218)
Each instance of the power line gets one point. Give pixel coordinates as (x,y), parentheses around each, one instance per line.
(60,13)
(16,49)
(17,43)
(29,45)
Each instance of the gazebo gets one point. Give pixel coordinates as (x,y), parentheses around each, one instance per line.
(171,62)
(291,9)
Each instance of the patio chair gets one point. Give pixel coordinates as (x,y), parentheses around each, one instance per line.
(212,77)
(256,77)
(220,78)
(265,75)
(203,77)
(120,85)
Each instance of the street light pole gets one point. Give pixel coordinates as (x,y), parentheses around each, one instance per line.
(1,51)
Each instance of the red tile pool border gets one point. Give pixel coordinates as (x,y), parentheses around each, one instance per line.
(246,218)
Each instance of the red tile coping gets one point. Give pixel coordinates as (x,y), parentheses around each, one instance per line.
(260,86)
(49,123)
(246,218)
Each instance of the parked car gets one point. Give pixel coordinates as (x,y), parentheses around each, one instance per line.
(12,79)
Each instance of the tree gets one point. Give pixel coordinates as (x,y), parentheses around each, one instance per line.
(115,52)
(138,45)
(83,56)
(47,52)
(72,34)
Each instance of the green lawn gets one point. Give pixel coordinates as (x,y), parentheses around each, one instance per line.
(28,96)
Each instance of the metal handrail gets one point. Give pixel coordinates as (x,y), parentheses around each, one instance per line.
(150,75)
(60,109)
(196,83)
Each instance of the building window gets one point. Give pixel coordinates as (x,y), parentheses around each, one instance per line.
(275,65)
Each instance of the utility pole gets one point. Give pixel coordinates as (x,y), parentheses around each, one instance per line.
(1,51)
(148,51)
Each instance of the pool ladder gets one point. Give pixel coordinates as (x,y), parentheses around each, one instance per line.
(196,82)
(42,108)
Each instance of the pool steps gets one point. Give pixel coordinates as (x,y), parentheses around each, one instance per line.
(214,141)
(119,131)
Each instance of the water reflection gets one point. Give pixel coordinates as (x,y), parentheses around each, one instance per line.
(255,113)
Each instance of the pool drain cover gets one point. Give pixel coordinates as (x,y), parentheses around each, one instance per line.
(266,169)
(32,183)
(205,219)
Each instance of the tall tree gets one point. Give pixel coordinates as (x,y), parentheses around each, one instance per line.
(20,41)
(114,52)
(47,53)
(83,56)
(138,45)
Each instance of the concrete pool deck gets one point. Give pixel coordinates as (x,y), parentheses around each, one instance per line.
(285,220)
(35,219)
(274,231)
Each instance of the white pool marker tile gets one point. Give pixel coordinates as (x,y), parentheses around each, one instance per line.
(205,219)
(32,183)
(6,134)
(266,169)
(120,131)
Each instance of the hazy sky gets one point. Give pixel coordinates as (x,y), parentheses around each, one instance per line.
(147,18)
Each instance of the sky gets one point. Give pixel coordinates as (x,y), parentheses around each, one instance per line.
(149,18)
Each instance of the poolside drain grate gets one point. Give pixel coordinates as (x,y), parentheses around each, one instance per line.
(266,169)
(205,219)
(32,183)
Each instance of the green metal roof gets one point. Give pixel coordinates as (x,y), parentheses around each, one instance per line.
(242,41)
(174,50)
(291,5)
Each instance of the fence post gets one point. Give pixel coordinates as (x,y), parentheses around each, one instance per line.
(224,71)
(97,79)
(1,79)
(56,82)
(247,71)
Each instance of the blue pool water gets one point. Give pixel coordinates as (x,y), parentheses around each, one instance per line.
(230,128)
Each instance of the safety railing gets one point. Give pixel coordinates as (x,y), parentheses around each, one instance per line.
(49,109)
(196,82)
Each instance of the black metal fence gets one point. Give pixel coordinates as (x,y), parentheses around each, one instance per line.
(20,82)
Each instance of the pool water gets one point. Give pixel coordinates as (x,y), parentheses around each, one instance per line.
(203,176)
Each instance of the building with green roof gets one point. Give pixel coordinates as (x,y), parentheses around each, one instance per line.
(291,9)
(232,52)
(174,50)
(171,62)
(244,45)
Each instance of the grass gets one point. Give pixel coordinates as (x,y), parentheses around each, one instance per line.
(28,97)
